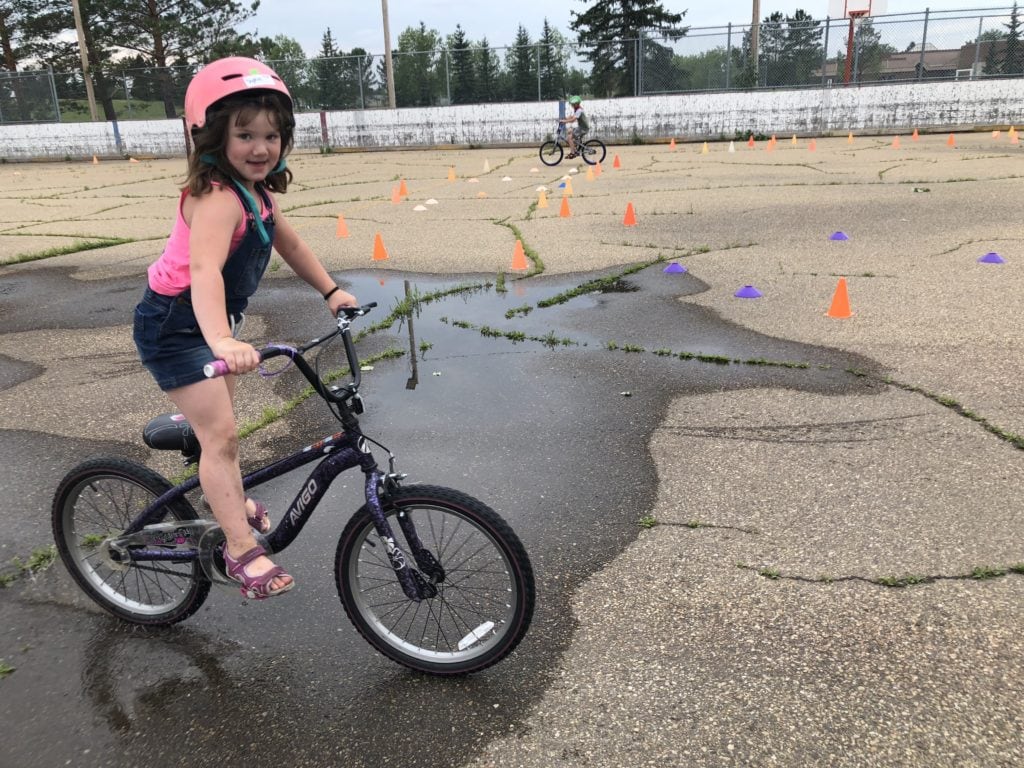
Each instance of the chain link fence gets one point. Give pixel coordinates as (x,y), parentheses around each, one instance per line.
(790,52)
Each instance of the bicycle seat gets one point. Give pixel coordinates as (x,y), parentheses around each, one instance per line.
(171,432)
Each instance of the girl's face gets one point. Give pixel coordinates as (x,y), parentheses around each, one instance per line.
(253,149)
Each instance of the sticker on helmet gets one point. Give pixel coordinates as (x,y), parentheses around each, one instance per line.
(258,81)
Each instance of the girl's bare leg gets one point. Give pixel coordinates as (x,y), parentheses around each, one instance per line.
(209,407)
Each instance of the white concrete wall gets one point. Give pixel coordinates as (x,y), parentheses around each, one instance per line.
(879,109)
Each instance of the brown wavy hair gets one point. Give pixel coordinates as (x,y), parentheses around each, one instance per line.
(211,140)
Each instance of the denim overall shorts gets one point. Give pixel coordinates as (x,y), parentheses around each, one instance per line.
(166,331)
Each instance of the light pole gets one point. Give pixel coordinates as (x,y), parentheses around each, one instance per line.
(389,71)
(85,58)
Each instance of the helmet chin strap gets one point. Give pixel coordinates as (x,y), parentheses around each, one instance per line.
(247,198)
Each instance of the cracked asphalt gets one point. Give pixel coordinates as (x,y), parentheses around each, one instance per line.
(751,623)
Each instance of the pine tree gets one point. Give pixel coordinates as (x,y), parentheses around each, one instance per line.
(1013,54)
(552,63)
(521,62)
(488,73)
(610,31)
(328,73)
(463,69)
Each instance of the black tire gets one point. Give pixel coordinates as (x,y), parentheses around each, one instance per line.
(98,499)
(593,151)
(484,604)
(551,153)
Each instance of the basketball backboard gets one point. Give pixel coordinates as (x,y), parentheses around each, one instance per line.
(845,9)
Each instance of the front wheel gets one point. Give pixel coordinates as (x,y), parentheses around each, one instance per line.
(94,503)
(484,602)
(593,151)
(551,153)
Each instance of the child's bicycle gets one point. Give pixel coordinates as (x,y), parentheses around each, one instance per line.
(592,150)
(455,594)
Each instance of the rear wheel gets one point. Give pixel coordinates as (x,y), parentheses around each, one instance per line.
(483,605)
(95,502)
(551,153)
(593,151)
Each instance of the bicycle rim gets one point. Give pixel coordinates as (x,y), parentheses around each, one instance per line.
(483,606)
(593,152)
(551,153)
(98,502)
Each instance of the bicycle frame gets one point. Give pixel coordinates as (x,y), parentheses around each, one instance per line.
(337,453)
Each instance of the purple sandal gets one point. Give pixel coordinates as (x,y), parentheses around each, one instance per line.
(255,587)
(258,520)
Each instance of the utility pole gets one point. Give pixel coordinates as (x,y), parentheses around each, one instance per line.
(389,71)
(85,58)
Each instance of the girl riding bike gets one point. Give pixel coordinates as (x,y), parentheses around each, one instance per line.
(240,116)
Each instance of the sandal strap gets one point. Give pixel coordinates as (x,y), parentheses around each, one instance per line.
(236,564)
(259,514)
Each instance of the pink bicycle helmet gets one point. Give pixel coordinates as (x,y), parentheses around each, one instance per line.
(226,77)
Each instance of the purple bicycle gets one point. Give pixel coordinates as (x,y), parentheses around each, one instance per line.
(431,577)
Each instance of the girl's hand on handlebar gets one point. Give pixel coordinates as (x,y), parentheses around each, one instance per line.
(237,355)
(340,299)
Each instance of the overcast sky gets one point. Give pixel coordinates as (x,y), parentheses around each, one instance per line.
(357,23)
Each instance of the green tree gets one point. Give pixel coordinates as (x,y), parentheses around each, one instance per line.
(521,62)
(1012,61)
(286,56)
(802,49)
(415,67)
(609,31)
(553,63)
(488,73)
(173,32)
(328,74)
(463,68)
(870,52)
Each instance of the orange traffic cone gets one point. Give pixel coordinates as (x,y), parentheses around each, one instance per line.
(542,200)
(402,189)
(1014,139)
(793,140)
(380,253)
(914,136)
(342,227)
(672,144)
(616,163)
(451,173)
(597,169)
(896,143)
(590,174)
(568,188)
(519,262)
(630,218)
(396,196)
(840,301)
(849,137)
(95,160)
(564,213)
(812,146)
(951,141)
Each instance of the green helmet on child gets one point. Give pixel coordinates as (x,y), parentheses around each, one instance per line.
(575,100)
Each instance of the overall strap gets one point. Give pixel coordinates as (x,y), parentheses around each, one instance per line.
(248,201)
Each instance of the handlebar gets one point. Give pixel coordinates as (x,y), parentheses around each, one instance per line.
(333,394)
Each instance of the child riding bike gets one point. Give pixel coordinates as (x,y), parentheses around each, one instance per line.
(240,116)
(579,130)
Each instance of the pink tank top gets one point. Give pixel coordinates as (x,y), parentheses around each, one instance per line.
(169,275)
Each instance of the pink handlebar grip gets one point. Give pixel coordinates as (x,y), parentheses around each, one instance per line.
(215,369)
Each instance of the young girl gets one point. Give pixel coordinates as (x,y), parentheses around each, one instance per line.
(240,115)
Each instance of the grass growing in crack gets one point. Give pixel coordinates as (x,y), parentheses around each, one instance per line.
(532,255)
(64,250)
(695,524)
(597,284)
(769,573)
(612,346)
(92,540)
(5,669)
(522,311)
(982,573)
(632,348)
(647,522)
(901,581)
(425,346)
(663,352)
(39,560)
(499,283)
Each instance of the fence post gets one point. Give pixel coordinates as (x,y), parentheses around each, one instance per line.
(638,49)
(539,91)
(824,52)
(728,56)
(977,48)
(53,93)
(447,77)
(359,74)
(924,42)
